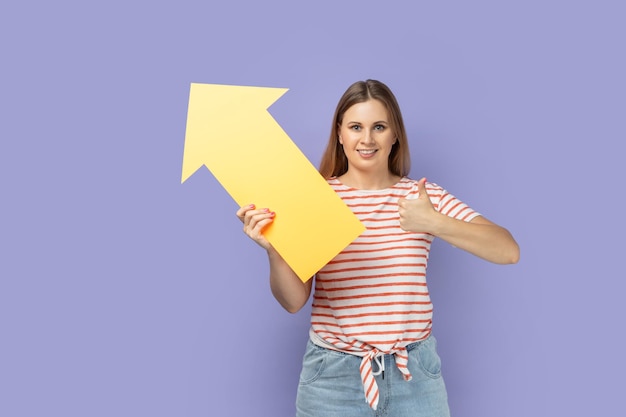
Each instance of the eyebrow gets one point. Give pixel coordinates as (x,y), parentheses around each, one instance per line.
(375,123)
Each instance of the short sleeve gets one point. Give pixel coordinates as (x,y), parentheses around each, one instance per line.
(447,204)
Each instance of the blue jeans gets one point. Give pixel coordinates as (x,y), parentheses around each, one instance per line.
(330,385)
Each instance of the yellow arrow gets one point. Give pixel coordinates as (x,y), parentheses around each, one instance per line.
(231,132)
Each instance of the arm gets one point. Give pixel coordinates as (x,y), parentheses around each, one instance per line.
(479,237)
(286,286)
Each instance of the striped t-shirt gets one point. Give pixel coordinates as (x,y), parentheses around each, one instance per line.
(372,298)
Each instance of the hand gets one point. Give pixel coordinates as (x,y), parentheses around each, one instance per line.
(254,221)
(417,215)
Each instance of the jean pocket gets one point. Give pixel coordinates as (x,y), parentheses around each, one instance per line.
(428,359)
(313,364)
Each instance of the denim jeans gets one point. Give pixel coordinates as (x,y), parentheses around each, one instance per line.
(330,385)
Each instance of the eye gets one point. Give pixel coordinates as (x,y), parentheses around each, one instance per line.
(355,127)
(379,128)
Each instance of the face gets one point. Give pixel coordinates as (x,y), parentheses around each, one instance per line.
(367,137)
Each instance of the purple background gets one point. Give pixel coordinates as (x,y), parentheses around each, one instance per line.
(125,293)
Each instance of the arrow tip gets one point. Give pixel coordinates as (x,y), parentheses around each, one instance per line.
(213,105)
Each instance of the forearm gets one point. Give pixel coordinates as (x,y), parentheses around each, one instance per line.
(479,237)
(286,286)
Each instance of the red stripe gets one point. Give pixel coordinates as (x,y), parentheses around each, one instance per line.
(377,258)
(369,212)
(372,323)
(370,305)
(382,313)
(381,285)
(384,294)
(418,255)
(451,209)
(369,268)
(373,402)
(390,342)
(469,213)
(367,393)
(384,219)
(322,278)
(403,233)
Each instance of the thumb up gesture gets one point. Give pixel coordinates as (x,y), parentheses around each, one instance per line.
(418,214)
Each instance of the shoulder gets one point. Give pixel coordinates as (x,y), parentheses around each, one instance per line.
(433,188)
(335,183)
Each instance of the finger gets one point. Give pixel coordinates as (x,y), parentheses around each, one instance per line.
(256,227)
(401,204)
(261,224)
(252,221)
(241,213)
(251,213)
(421,188)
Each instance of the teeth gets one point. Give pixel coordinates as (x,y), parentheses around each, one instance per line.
(368,152)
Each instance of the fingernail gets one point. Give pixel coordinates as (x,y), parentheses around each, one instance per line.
(272,214)
(251,206)
(265,210)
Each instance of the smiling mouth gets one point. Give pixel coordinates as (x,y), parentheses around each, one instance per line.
(367,151)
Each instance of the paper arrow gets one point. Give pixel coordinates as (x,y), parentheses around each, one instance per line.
(230,131)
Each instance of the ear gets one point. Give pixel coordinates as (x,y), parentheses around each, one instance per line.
(340,140)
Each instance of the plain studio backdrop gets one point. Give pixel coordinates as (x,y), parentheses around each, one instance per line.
(125,293)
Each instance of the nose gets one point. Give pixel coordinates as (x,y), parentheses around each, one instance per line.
(367,136)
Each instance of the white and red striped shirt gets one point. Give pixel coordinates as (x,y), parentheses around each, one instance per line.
(372,298)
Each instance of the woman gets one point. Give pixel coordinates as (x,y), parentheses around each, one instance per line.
(371,317)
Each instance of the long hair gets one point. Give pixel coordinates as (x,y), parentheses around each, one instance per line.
(334,161)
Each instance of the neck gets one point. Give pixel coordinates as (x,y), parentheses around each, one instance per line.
(362,181)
